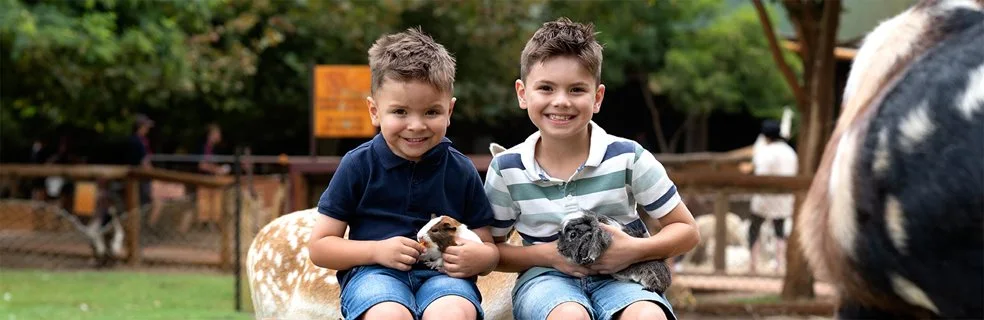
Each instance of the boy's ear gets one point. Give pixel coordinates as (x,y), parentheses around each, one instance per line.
(521,93)
(599,96)
(373,111)
(451,107)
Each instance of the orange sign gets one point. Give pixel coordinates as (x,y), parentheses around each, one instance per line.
(340,109)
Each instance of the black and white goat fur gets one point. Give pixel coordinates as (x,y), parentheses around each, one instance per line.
(895,215)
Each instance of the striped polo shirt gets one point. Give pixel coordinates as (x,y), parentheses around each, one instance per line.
(618,174)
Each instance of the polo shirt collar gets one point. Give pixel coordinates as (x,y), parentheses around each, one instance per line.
(390,160)
(596,150)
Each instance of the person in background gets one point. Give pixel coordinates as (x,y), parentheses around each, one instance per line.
(138,146)
(210,199)
(772,157)
(138,152)
(212,139)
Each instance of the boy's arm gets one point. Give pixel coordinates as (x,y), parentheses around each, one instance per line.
(658,195)
(470,258)
(338,204)
(329,249)
(660,198)
(678,235)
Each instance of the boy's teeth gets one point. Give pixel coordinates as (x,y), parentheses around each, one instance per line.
(556,117)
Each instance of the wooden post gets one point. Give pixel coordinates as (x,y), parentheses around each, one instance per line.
(237,228)
(132,195)
(720,230)
(798,280)
(225,221)
(298,190)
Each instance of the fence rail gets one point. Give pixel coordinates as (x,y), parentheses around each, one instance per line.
(130,178)
(722,184)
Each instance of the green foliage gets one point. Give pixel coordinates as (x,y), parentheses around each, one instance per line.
(92,64)
(635,34)
(725,66)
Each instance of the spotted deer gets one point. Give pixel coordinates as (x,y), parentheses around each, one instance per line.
(895,214)
(285,284)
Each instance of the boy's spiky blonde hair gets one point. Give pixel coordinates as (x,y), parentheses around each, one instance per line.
(411,55)
(563,38)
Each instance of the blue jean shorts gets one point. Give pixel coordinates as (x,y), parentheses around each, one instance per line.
(366,286)
(602,296)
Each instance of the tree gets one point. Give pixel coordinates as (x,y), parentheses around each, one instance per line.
(636,36)
(816,25)
(90,64)
(723,67)
(93,64)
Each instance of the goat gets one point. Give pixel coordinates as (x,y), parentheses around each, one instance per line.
(895,213)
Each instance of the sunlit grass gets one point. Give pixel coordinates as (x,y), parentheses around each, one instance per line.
(29,294)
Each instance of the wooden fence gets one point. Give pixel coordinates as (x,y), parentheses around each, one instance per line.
(131,177)
(710,175)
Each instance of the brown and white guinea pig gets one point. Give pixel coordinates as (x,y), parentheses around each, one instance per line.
(440,233)
(895,214)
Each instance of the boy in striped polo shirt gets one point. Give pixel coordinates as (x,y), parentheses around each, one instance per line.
(571,164)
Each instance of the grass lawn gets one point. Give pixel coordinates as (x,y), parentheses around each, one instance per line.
(30,294)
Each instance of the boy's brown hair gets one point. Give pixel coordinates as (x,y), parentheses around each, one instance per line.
(563,38)
(411,55)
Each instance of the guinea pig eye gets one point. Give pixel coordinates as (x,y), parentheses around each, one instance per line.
(571,236)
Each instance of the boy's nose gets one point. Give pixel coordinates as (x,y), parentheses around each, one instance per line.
(416,124)
(562,101)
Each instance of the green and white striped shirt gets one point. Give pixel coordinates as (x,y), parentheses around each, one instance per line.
(617,174)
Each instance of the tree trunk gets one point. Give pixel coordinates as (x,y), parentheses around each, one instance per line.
(702,134)
(647,96)
(682,131)
(797,283)
(822,88)
(696,133)
(814,101)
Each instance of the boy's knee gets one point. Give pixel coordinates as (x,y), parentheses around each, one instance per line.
(642,310)
(569,310)
(450,307)
(387,310)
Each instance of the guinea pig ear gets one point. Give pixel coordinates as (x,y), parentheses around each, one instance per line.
(433,215)
(602,239)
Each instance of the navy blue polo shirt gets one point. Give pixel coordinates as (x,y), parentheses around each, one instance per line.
(381,195)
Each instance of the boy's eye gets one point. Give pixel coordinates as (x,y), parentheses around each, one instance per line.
(578,90)
(544,88)
(398,111)
(433,112)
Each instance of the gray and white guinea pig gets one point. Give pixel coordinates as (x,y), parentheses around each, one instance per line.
(438,234)
(582,241)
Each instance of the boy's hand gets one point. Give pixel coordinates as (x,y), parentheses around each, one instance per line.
(398,252)
(560,263)
(468,258)
(619,255)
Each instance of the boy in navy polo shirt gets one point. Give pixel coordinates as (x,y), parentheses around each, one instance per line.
(386,189)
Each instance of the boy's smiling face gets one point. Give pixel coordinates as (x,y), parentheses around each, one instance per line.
(412,116)
(560,96)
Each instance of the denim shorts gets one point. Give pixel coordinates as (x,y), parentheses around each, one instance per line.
(602,296)
(366,286)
